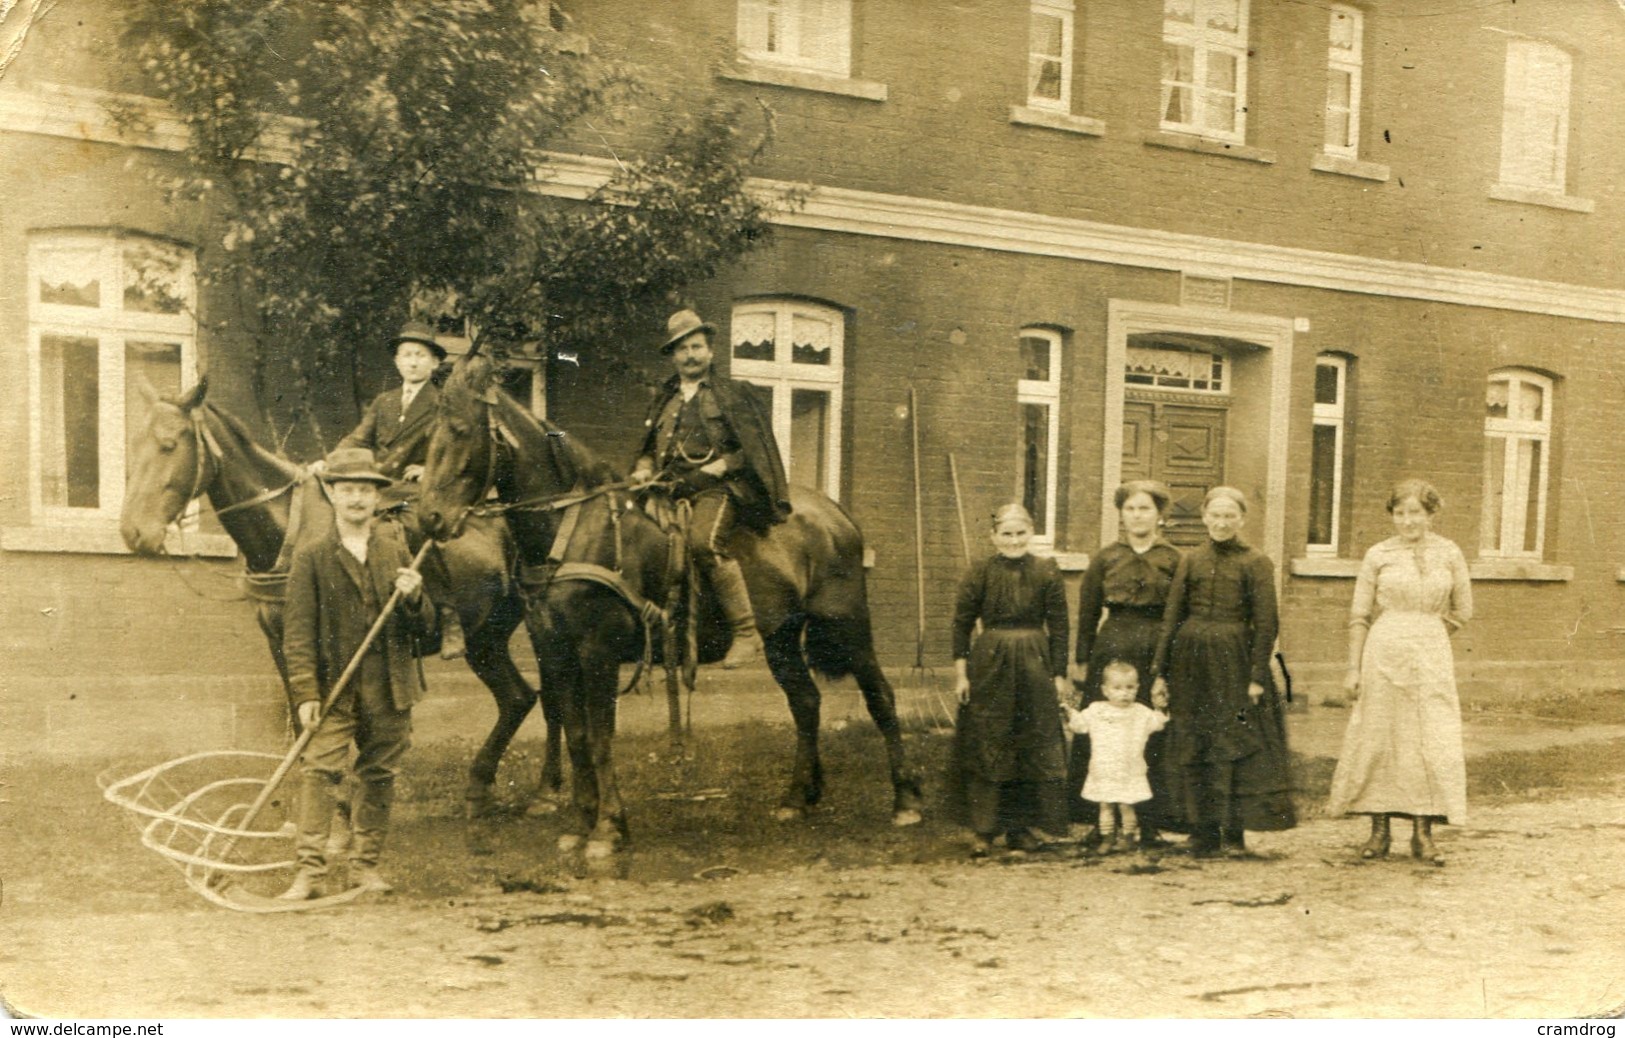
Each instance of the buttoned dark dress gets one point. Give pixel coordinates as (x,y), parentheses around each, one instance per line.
(1009,769)
(1131,589)
(1225,761)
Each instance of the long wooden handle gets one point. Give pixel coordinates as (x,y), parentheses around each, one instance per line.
(919,533)
(959,507)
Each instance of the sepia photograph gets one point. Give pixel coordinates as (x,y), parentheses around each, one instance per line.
(812,510)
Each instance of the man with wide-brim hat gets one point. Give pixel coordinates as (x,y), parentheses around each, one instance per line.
(337,586)
(396,427)
(709,437)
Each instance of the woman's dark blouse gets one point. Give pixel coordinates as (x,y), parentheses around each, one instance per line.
(1013,593)
(1224,582)
(1123,580)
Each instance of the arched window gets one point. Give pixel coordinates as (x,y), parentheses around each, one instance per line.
(1517,464)
(794,352)
(1038,398)
(106,309)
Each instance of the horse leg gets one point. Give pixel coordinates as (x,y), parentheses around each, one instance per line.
(600,670)
(488,657)
(789,669)
(561,674)
(878,696)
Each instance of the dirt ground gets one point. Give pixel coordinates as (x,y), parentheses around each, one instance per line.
(1526,920)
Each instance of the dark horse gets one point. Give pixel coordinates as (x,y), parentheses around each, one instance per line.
(805,576)
(191,447)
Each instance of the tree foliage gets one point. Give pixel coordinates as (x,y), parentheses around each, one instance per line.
(371,157)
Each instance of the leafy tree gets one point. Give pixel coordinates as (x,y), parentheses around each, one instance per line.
(371,157)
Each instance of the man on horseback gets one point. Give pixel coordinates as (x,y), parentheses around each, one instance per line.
(708,436)
(396,427)
(336,589)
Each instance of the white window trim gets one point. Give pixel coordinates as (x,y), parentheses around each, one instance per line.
(783,373)
(1353,63)
(1514,507)
(1333,415)
(1203,41)
(1519,97)
(1046,392)
(95,529)
(836,63)
(457,346)
(1062,10)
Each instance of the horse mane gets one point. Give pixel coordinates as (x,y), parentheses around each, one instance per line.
(251,447)
(474,379)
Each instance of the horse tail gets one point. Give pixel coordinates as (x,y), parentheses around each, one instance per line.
(835,644)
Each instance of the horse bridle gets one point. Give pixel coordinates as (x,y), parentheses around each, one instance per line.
(208,450)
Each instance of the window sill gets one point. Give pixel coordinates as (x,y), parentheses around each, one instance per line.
(1208,146)
(105,540)
(1518,569)
(1325,566)
(1536,196)
(1071,561)
(1083,125)
(800,79)
(1348,167)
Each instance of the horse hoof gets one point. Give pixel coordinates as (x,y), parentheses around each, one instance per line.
(568,843)
(789,814)
(599,850)
(907,817)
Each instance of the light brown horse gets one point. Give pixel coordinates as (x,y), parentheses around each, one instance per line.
(190,447)
(805,576)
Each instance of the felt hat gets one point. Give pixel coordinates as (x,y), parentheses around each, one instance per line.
(353,465)
(417,331)
(681,325)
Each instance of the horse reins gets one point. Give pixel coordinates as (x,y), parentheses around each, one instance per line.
(555,568)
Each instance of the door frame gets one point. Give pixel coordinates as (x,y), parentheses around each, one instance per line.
(1272,339)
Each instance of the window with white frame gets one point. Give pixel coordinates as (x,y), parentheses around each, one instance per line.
(813,35)
(792,353)
(1204,68)
(1038,399)
(1049,55)
(105,311)
(1517,464)
(1344,66)
(522,372)
(1326,453)
(1535,117)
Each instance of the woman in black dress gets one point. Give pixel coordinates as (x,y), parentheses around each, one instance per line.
(1009,757)
(1128,582)
(1225,757)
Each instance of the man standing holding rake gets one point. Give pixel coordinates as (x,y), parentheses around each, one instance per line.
(336,589)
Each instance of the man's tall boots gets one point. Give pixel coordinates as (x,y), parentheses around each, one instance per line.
(728,582)
(371,823)
(452,644)
(315,821)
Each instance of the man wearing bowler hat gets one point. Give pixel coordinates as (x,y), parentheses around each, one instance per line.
(709,436)
(396,427)
(337,587)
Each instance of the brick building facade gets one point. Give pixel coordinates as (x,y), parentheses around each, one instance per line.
(1304,249)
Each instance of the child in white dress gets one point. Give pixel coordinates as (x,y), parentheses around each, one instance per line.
(1118,728)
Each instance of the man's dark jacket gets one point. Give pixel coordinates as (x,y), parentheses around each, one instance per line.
(761,464)
(395,439)
(326,616)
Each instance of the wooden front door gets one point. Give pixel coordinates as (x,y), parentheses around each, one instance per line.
(1182,444)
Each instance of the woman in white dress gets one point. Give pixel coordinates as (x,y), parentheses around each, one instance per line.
(1402,752)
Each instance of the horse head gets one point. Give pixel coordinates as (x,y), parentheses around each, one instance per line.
(168,467)
(461,465)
